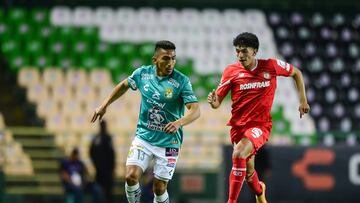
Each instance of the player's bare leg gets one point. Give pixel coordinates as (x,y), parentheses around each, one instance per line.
(160,193)
(261,198)
(132,187)
(241,151)
(253,181)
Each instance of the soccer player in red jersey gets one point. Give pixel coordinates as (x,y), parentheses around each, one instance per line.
(252,83)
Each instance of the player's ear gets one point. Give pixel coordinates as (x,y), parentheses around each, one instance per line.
(255,52)
(154,59)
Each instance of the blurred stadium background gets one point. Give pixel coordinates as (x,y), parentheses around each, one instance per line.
(59,59)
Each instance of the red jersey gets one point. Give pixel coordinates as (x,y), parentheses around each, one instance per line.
(252,91)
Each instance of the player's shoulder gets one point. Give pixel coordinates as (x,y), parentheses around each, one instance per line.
(232,67)
(267,61)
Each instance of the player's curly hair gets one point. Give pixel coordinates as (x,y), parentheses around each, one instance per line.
(246,39)
(164,44)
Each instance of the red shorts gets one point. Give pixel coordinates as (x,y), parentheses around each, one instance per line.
(257,133)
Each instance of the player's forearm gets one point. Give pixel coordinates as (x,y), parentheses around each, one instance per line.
(299,81)
(193,113)
(117,92)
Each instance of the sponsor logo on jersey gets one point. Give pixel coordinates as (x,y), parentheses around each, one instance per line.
(169,151)
(168,93)
(156,119)
(254,85)
(156,95)
(267,75)
(173,82)
(147,76)
(158,104)
(256,132)
(171,162)
(146,87)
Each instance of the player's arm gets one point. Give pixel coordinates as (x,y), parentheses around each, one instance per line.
(299,81)
(191,115)
(119,90)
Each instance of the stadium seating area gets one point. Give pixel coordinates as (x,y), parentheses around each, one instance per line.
(12,157)
(326,47)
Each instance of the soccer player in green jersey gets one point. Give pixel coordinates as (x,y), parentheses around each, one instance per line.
(164,94)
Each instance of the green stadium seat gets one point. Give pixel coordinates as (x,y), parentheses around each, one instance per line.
(57,47)
(185,66)
(42,61)
(114,65)
(146,50)
(45,33)
(135,62)
(89,62)
(34,48)
(23,31)
(281,126)
(78,50)
(4,32)
(16,16)
(17,61)
(126,50)
(10,47)
(39,17)
(89,34)
(66,34)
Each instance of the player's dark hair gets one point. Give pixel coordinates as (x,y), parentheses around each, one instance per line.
(164,44)
(246,39)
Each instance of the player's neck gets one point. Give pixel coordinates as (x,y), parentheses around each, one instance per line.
(252,65)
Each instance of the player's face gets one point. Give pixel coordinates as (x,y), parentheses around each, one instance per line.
(245,55)
(164,61)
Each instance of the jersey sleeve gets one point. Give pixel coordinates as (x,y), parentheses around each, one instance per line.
(134,79)
(225,83)
(282,68)
(187,93)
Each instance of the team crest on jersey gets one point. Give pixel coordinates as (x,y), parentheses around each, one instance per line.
(168,93)
(266,75)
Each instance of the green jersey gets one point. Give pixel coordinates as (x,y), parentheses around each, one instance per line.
(163,100)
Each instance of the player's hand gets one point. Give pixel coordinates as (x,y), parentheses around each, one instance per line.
(172,127)
(304,108)
(99,112)
(211,97)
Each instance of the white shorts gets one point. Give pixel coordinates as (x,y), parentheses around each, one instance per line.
(141,153)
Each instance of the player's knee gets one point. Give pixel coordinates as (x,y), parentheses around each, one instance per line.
(159,187)
(240,153)
(131,178)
